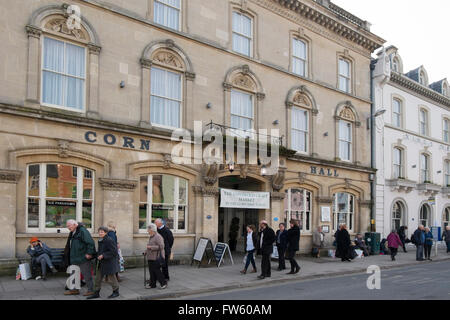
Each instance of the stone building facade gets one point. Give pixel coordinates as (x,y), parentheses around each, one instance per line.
(412,146)
(87,111)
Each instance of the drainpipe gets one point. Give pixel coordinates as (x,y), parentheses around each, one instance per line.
(372,146)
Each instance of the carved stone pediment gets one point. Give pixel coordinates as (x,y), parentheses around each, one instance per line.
(302,100)
(167,58)
(347,114)
(60,25)
(244,82)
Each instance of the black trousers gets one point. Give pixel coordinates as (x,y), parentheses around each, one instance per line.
(393,252)
(155,273)
(291,257)
(281,259)
(165,266)
(265,265)
(403,244)
(427,248)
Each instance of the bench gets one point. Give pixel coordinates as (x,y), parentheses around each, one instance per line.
(57,258)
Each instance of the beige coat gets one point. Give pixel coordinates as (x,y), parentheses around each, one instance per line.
(156,245)
(317,243)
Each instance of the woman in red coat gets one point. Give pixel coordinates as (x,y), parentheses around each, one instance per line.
(394,242)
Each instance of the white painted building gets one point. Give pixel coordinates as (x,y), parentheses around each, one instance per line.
(412,146)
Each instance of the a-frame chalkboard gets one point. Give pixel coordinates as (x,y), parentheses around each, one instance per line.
(204,252)
(220,250)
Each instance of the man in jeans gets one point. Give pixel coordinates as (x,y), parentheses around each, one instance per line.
(419,241)
(80,249)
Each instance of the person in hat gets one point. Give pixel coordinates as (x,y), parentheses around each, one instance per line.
(107,266)
(266,239)
(40,255)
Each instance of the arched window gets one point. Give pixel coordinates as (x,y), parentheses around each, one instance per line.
(57,193)
(346,125)
(425,215)
(446,218)
(166,199)
(425,168)
(395,64)
(297,205)
(397,163)
(397,113)
(343,210)
(398,212)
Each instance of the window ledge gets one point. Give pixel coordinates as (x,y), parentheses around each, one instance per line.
(401,185)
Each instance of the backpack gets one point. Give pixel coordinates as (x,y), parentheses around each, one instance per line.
(413,239)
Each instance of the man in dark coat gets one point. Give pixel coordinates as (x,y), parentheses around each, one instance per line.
(343,243)
(293,245)
(281,242)
(168,243)
(402,234)
(107,266)
(80,250)
(419,241)
(265,243)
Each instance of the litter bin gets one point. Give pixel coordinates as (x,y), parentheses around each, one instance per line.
(373,241)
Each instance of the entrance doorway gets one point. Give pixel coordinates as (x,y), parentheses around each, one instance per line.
(233,221)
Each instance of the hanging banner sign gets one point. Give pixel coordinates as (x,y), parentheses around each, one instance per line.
(244,199)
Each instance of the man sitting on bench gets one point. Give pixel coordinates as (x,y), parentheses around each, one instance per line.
(40,254)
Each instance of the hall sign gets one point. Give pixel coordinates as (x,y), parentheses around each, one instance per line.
(324,171)
(244,199)
(113,140)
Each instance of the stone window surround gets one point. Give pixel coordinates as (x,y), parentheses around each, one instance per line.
(430,212)
(183,15)
(312,113)
(35,30)
(346,56)
(242,8)
(188,77)
(356,124)
(312,205)
(353,211)
(300,35)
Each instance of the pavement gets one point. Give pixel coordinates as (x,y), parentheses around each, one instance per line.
(189,280)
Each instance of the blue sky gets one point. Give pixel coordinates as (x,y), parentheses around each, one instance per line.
(419,29)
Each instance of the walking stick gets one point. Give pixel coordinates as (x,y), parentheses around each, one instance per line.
(145,272)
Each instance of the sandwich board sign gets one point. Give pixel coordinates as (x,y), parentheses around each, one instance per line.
(204,249)
(220,249)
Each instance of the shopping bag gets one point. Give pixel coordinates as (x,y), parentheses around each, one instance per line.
(359,253)
(25,271)
(332,253)
(244,261)
(18,273)
(121,262)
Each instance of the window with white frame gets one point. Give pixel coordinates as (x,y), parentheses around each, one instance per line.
(242,113)
(344,75)
(398,163)
(397,113)
(424,168)
(446,218)
(343,210)
(167,199)
(300,57)
(446,130)
(425,214)
(447,173)
(345,140)
(299,130)
(398,212)
(297,206)
(423,122)
(167,13)
(55,195)
(242,34)
(166,98)
(63,82)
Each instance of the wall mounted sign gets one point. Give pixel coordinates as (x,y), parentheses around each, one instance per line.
(244,199)
(324,171)
(110,139)
(325,214)
(326,229)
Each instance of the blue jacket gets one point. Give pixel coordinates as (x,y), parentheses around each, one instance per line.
(281,239)
(429,238)
(419,236)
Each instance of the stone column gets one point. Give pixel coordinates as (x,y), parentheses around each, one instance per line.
(276,212)
(93,107)
(325,202)
(34,35)
(364,216)
(210,212)
(118,206)
(8,187)
(188,109)
(145,93)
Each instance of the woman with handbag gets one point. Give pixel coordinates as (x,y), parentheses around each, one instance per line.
(155,257)
(250,243)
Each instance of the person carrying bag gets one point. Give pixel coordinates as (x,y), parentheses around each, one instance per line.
(155,257)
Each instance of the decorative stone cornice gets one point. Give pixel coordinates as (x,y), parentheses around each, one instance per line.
(352,29)
(206,191)
(33,31)
(260,96)
(146,63)
(94,49)
(227,86)
(428,189)
(401,185)
(10,176)
(277,196)
(118,184)
(412,85)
